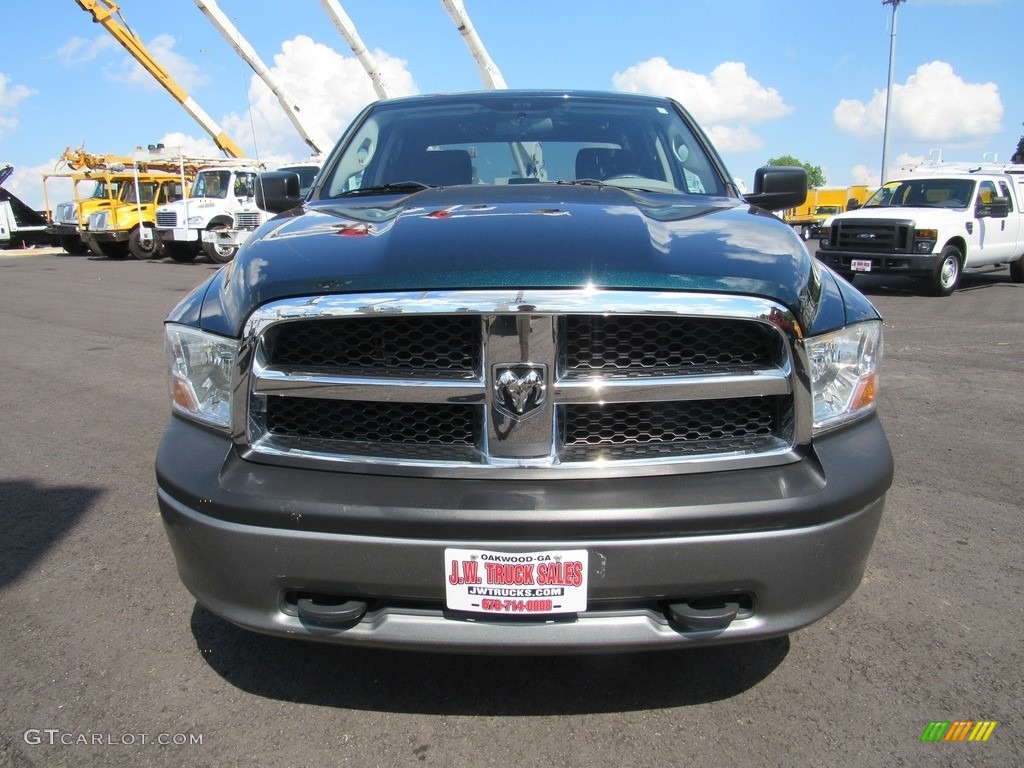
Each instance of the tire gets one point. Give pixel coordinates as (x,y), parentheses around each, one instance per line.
(113,251)
(219,254)
(945,276)
(73,244)
(1017,270)
(181,252)
(144,250)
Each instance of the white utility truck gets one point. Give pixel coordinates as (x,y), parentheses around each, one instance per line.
(933,221)
(216,218)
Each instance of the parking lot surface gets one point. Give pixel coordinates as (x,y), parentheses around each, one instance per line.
(107,660)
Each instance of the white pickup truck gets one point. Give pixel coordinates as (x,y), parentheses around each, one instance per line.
(934,221)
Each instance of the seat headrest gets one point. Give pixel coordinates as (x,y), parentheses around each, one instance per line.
(603,162)
(441,168)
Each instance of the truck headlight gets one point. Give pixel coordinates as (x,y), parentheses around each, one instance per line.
(200,367)
(925,239)
(844,373)
(196,221)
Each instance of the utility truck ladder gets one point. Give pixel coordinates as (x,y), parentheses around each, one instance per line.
(318,141)
(348,31)
(529,157)
(103,12)
(489,73)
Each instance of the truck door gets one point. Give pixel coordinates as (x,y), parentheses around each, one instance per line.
(997,235)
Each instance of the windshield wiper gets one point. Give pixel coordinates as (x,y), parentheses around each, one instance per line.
(385,189)
(583,182)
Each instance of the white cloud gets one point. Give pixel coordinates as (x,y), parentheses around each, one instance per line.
(329,88)
(27,184)
(10,97)
(78,50)
(188,75)
(934,105)
(863,174)
(728,138)
(725,102)
(190,145)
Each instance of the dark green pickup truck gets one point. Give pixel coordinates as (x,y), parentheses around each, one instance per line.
(524,372)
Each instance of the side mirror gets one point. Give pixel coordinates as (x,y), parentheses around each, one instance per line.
(999,208)
(777,187)
(277,191)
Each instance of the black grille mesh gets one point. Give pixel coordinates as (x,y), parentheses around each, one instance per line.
(694,421)
(665,345)
(403,423)
(379,345)
(871,236)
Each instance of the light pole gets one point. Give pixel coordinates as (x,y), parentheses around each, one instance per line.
(888,91)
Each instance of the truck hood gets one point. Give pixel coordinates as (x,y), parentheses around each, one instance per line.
(902,213)
(523,236)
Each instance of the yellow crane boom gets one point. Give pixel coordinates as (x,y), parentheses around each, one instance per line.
(103,12)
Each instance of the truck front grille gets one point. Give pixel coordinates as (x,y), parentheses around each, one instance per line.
(865,235)
(665,345)
(248,220)
(66,213)
(378,345)
(166,219)
(559,382)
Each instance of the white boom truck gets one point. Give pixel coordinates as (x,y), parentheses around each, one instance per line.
(216,218)
(934,221)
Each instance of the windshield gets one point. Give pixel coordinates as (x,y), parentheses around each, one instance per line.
(102,188)
(923,193)
(147,192)
(211,184)
(306,173)
(512,139)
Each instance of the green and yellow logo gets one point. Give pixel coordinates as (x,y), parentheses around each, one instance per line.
(959,730)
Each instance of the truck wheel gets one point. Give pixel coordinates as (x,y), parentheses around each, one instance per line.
(144,250)
(1017,270)
(113,251)
(805,232)
(219,254)
(73,244)
(181,252)
(945,277)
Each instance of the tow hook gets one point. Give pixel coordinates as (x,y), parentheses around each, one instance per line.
(704,617)
(321,610)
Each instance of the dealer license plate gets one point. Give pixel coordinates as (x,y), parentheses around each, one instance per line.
(481,581)
(860,265)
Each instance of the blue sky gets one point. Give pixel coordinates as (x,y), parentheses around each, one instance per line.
(763,77)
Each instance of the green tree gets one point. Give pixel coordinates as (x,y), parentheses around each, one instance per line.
(815,176)
(1018,156)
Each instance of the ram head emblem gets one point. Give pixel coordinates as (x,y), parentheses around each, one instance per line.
(519,390)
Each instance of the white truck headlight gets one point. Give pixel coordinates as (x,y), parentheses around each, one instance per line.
(200,367)
(844,368)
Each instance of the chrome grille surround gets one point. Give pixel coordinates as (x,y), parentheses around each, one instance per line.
(166,219)
(420,383)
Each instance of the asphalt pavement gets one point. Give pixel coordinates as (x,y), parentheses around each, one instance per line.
(108,661)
